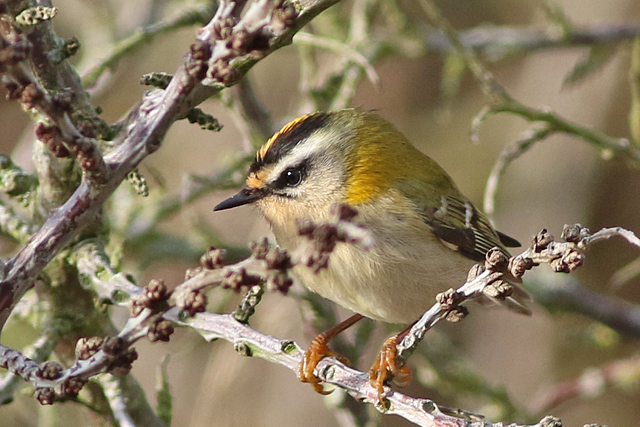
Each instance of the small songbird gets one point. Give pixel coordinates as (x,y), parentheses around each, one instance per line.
(426,233)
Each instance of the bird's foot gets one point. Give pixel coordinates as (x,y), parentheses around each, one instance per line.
(388,367)
(318,350)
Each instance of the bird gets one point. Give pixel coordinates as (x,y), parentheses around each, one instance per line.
(426,233)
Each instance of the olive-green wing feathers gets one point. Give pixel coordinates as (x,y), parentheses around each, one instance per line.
(459,224)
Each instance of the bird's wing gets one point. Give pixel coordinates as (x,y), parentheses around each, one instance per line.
(460,225)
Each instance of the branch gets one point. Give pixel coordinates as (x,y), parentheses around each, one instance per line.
(253,119)
(127,401)
(567,294)
(200,15)
(270,266)
(248,342)
(496,43)
(502,102)
(39,351)
(591,384)
(210,58)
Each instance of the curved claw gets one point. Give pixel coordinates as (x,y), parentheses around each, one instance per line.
(317,350)
(388,367)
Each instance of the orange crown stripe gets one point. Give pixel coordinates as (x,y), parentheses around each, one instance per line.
(262,152)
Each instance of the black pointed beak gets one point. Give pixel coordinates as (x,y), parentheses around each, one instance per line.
(245,196)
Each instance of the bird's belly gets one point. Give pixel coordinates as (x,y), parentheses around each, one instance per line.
(395,282)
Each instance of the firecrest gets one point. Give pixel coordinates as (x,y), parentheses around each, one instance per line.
(427,234)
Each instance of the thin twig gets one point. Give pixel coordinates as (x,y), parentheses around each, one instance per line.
(592,383)
(149,123)
(510,153)
(151,302)
(309,39)
(254,114)
(496,43)
(200,15)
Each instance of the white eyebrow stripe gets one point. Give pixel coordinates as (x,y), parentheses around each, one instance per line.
(306,149)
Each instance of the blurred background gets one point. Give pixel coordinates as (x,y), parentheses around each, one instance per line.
(561,180)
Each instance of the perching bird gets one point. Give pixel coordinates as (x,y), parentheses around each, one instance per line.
(427,234)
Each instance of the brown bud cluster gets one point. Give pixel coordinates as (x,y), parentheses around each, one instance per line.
(260,248)
(575,233)
(31,96)
(280,282)
(457,314)
(223,28)
(85,151)
(283,17)
(496,260)
(240,39)
(222,72)
(449,299)
(237,277)
(519,265)
(195,302)
(87,154)
(198,65)
(50,370)
(344,212)
(87,347)
(45,396)
(72,387)
(277,262)
(274,257)
(499,290)
(155,298)
(541,241)
(160,330)
(324,238)
(52,138)
(212,259)
(568,262)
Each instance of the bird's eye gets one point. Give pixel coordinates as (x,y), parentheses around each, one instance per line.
(292,177)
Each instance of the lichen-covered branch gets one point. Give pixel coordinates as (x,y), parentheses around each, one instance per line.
(153,306)
(265,27)
(249,342)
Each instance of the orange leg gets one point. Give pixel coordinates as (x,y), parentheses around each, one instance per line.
(319,349)
(386,367)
